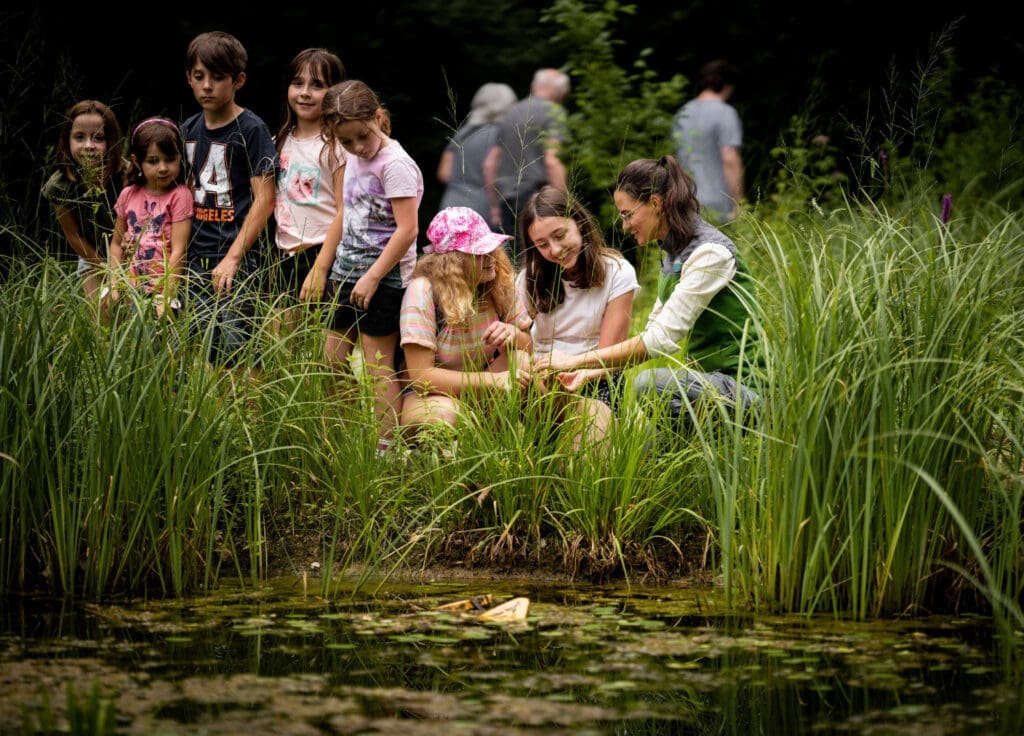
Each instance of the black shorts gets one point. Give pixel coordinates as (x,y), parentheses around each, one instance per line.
(606,390)
(289,271)
(379,320)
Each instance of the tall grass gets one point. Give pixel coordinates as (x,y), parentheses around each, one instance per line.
(889,456)
(881,476)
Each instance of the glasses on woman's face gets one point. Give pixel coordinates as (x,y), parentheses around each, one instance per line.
(626,216)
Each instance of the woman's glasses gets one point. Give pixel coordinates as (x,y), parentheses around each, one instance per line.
(626,216)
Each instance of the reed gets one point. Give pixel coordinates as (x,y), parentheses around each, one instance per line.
(890,442)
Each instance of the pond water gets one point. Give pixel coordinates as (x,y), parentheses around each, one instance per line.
(280,659)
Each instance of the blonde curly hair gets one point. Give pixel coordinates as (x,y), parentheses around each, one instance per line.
(457,296)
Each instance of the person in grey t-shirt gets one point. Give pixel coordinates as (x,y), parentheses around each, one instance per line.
(708,135)
(525,153)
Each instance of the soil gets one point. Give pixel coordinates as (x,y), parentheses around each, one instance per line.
(296,551)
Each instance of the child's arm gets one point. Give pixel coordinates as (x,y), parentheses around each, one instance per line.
(181,231)
(223,274)
(116,259)
(73,232)
(313,286)
(405,210)
(430,378)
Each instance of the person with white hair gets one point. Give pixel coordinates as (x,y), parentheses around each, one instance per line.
(461,168)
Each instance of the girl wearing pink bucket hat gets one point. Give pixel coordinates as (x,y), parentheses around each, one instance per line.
(463,329)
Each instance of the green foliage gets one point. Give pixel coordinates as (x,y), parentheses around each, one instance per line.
(927,139)
(93,715)
(981,155)
(808,172)
(619,114)
(894,348)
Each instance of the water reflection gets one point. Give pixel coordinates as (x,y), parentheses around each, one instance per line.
(587,660)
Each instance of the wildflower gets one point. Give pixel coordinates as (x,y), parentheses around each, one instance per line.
(947,207)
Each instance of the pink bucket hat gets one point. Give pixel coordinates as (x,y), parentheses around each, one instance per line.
(464,230)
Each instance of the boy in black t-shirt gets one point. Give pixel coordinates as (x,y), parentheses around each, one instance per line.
(232,169)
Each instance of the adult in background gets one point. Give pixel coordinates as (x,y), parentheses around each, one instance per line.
(525,154)
(461,168)
(708,134)
(705,300)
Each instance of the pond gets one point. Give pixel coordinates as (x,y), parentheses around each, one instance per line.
(280,659)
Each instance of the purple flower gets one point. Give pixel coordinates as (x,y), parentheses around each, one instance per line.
(883,156)
(947,207)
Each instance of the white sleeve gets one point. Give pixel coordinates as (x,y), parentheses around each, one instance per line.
(622,278)
(705,273)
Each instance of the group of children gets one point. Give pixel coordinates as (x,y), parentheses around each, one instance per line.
(344,198)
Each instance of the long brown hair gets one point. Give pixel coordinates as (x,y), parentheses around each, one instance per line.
(645,177)
(544,278)
(113,161)
(324,66)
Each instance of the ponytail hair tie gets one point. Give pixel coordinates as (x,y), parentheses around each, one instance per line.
(149,121)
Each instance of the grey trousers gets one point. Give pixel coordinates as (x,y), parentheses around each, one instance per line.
(683,388)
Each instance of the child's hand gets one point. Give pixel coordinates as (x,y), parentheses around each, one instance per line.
(363,291)
(511,379)
(313,286)
(499,335)
(223,274)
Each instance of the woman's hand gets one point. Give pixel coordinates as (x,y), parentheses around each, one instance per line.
(571,381)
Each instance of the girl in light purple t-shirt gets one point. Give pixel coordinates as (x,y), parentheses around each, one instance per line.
(373,261)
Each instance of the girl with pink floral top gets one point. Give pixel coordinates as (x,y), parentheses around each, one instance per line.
(154,216)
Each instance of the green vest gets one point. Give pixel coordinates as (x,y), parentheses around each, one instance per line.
(715,340)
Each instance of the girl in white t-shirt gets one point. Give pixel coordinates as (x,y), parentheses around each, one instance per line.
(580,294)
(307,207)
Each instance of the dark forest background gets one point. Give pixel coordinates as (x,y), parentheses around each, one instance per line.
(425,58)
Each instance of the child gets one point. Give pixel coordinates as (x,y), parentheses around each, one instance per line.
(83,190)
(460,315)
(232,164)
(374,260)
(580,294)
(309,181)
(154,214)
(706,297)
